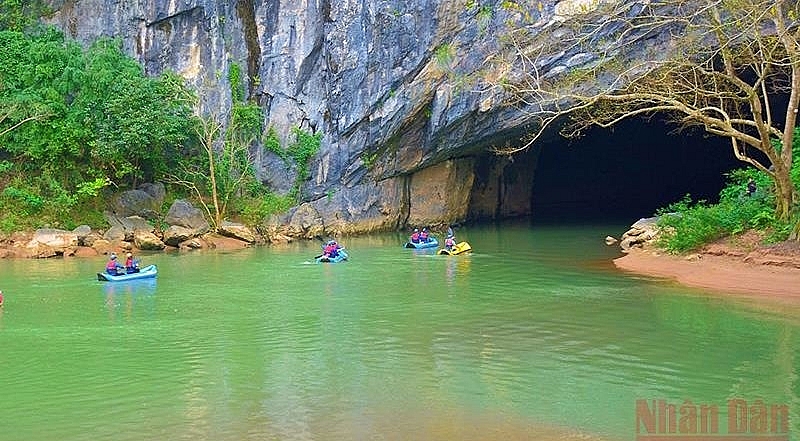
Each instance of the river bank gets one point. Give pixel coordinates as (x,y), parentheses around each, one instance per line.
(734,266)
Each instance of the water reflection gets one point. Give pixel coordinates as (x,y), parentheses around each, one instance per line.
(123,298)
(457,267)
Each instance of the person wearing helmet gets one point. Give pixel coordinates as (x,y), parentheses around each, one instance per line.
(423,236)
(113,265)
(331,249)
(450,242)
(415,236)
(131,265)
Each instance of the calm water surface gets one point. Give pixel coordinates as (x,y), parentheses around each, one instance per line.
(534,336)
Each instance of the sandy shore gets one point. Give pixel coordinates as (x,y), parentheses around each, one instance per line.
(763,279)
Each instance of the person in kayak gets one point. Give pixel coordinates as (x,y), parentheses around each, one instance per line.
(423,236)
(131,265)
(450,242)
(331,249)
(1,298)
(415,236)
(112,266)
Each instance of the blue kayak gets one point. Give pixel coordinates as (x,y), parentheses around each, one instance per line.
(341,256)
(430,243)
(147,272)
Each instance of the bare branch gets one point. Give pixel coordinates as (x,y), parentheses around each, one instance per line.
(716,64)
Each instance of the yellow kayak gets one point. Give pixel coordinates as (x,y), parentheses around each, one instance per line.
(459,248)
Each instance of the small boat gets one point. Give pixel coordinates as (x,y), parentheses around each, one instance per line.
(147,272)
(430,243)
(459,248)
(341,256)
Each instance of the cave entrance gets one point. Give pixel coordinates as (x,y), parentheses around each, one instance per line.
(627,172)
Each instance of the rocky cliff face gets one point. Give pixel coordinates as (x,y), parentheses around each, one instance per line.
(394,86)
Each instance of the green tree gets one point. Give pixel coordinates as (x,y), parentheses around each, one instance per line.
(222,169)
(137,126)
(722,66)
(220,172)
(73,121)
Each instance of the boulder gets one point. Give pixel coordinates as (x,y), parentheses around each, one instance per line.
(115,233)
(90,239)
(136,223)
(175,235)
(82,232)
(50,242)
(641,234)
(279,238)
(183,214)
(102,246)
(191,244)
(145,240)
(155,190)
(145,201)
(221,242)
(125,228)
(85,252)
(54,238)
(237,231)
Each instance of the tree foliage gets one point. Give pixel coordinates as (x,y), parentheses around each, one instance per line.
(731,67)
(20,15)
(220,170)
(73,121)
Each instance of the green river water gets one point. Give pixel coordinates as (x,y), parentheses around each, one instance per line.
(533,336)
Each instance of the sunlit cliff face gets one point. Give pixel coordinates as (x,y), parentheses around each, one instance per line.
(405,139)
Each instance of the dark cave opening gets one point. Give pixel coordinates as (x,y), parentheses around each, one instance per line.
(627,172)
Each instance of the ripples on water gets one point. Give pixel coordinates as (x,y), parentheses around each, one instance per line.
(530,337)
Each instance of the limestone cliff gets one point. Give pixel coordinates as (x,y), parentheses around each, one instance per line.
(396,87)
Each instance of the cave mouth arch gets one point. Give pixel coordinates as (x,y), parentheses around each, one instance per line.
(616,175)
(627,172)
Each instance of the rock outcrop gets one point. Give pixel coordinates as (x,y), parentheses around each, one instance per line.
(183,214)
(640,235)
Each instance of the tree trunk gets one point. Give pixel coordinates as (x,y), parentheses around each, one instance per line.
(784,194)
(212,174)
